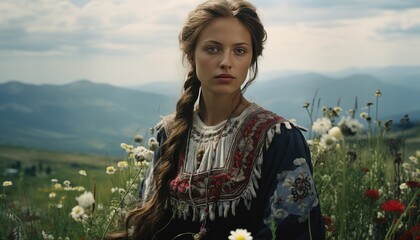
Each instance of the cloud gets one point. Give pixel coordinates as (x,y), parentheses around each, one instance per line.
(107,27)
(137,40)
(312,12)
(399,30)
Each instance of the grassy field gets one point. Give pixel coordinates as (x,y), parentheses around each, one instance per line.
(342,183)
(38,167)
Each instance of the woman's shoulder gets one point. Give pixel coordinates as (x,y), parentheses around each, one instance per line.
(165,123)
(278,121)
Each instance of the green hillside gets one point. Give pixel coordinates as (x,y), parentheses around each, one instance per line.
(34,169)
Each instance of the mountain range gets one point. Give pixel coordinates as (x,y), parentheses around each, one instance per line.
(89,117)
(79,117)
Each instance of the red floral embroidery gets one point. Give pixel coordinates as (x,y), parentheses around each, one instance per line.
(231,181)
(394,206)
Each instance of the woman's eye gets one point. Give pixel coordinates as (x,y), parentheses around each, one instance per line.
(212,49)
(240,51)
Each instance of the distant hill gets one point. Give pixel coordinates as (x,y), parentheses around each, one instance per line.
(82,116)
(286,95)
(95,118)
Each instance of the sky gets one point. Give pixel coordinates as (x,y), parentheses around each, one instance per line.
(131,42)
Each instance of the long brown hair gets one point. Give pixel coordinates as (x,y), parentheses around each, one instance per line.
(147,219)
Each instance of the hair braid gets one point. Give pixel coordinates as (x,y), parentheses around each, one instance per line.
(165,169)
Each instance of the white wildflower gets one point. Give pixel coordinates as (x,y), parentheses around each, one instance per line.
(78,188)
(83,172)
(121,191)
(350,126)
(240,234)
(110,170)
(47,236)
(114,189)
(338,110)
(126,147)
(78,213)
(364,115)
(58,186)
(52,195)
(413,159)
(122,164)
(403,186)
(66,183)
(54,180)
(86,199)
(336,132)
(328,142)
(321,125)
(153,144)
(7,183)
(406,166)
(143,154)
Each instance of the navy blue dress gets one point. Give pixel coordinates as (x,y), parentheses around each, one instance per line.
(265,187)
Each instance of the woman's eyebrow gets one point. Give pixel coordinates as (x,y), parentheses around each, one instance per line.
(219,43)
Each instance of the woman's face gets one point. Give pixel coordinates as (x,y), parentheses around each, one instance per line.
(223,56)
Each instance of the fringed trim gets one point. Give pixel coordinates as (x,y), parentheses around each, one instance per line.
(276,130)
(221,208)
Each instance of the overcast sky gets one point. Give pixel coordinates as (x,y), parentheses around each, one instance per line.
(127,42)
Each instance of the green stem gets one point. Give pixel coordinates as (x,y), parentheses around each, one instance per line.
(121,201)
(391,230)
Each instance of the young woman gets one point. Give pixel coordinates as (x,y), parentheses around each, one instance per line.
(225,163)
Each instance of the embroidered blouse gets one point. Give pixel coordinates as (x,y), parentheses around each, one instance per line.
(252,172)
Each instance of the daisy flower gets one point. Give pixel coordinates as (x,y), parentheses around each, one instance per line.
(7,183)
(328,142)
(78,213)
(52,195)
(122,164)
(110,170)
(240,234)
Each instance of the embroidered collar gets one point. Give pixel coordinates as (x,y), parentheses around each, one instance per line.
(234,176)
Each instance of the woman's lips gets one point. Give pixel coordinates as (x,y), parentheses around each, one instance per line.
(225,77)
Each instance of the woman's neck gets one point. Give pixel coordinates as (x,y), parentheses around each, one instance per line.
(216,109)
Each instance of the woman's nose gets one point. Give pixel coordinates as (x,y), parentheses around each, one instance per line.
(226,61)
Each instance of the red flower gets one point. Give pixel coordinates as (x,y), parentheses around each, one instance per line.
(393,206)
(413,231)
(413,184)
(327,220)
(372,194)
(328,223)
